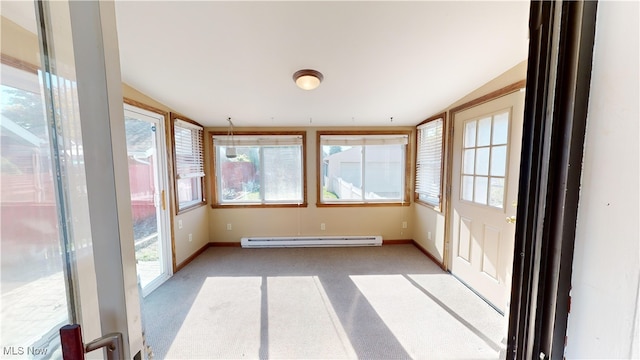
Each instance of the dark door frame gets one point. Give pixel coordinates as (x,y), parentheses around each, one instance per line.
(558,80)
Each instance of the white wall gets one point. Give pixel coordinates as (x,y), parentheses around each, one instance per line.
(604,321)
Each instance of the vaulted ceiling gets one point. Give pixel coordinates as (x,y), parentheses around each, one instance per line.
(211,60)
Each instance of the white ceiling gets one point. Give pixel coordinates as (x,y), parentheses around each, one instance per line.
(406,60)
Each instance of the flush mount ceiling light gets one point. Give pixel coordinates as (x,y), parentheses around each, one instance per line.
(307,79)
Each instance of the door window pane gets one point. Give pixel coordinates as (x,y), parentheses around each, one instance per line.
(500,129)
(480,191)
(496,192)
(498,160)
(482,161)
(470,134)
(484,132)
(468,161)
(467,188)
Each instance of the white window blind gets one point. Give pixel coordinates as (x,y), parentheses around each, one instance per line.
(189,150)
(355,140)
(429,162)
(266,169)
(363,168)
(254,140)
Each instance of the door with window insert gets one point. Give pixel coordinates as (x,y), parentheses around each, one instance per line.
(486,158)
(148,181)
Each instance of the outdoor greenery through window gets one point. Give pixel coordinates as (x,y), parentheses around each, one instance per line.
(429,161)
(189,163)
(362,168)
(262,169)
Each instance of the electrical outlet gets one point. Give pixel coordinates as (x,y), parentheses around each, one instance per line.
(180,224)
(229,227)
(322,226)
(404,224)
(429,235)
(190,237)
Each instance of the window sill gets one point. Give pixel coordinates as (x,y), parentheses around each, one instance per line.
(257,206)
(436,208)
(191,207)
(359,204)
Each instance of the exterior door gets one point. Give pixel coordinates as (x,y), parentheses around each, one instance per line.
(148,181)
(486,157)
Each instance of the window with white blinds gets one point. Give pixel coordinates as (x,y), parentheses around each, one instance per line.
(362,168)
(428,185)
(189,162)
(259,169)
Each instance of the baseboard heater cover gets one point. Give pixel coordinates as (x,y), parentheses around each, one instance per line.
(310,241)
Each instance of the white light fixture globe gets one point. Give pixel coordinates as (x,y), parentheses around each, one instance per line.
(307,79)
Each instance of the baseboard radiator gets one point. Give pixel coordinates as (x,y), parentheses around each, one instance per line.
(310,241)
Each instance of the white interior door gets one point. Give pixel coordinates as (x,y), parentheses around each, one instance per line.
(486,158)
(148,181)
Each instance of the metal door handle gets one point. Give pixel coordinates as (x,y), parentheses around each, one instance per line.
(511,219)
(73,348)
(111,342)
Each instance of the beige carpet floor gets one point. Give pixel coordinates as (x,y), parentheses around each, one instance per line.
(388,302)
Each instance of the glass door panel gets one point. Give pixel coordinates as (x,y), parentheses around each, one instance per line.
(34,296)
(48,277)
(147,181)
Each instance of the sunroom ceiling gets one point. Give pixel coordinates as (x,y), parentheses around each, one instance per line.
(384,63)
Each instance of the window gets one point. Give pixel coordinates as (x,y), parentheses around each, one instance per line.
(189,162)
(357,168)
(484,160)
(429,154)
(254,169)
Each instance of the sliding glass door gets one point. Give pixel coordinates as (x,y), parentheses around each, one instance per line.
(48,278)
